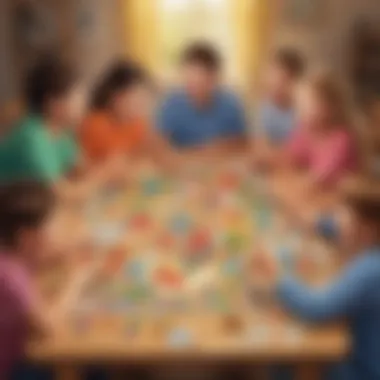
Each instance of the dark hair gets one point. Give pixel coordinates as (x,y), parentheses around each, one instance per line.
(49,78)
(364,201)
(291,61)
(204,54)
(120,76)
(23,205)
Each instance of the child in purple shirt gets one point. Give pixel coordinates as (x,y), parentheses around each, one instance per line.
(24,212)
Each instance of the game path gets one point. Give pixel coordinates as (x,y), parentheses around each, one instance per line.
(165,276)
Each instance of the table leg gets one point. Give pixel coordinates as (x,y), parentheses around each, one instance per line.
(68,373)
(308,372)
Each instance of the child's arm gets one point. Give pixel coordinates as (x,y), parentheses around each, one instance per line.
(341,299)
(333,162)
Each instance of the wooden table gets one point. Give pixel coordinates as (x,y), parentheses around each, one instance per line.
(199,311)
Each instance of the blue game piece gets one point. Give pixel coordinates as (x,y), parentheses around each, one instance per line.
(180,224)
(180,337)
(231,267)
(135,270)
(151,186)
(327,227)
(285,257)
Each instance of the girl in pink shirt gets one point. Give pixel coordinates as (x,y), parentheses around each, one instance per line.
(24,210)
(322,144)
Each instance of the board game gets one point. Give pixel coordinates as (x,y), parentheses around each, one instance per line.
(171,258)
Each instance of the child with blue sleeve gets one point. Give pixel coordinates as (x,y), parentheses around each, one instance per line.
(275,116)
(354,296)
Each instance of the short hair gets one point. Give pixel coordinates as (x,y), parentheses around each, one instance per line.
(121,76)
(203,54)
(291,61)
(50,78)
(364,201)
(23,205)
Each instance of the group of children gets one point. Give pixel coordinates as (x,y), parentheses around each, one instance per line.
(302,124)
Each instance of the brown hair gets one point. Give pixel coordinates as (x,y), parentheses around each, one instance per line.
(23,205)
(363,197)
(203,54)
(291,61)
(329,90)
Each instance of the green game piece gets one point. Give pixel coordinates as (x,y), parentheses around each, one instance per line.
(234,243)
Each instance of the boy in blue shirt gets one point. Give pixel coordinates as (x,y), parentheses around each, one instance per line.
(354,296)
(202,113)
(275,118)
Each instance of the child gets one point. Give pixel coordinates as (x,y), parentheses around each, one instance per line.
(202,115)
(118,127)
(276,114)
(40,147)
(118,123)
(354,296)
(322,143)
(24,213)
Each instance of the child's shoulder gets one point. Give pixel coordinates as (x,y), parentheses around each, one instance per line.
(368,262)
(341,134)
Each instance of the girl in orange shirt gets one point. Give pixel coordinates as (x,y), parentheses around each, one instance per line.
(118,123)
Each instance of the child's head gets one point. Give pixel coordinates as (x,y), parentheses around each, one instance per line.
(201,64)
(285,69)
(124,91)
(321,102)
(24,212)
(364,208)
(50,90)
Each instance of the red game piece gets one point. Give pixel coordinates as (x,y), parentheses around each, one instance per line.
(115,259)
(169,277)
(199,240)
(166,240)
(141,221)
(229,181)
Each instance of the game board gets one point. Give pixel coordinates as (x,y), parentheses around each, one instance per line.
(173,271)
(181,247)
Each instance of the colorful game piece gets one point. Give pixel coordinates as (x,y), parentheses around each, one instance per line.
(180,337)
(264,218)
(141,221)
(229,181)
(135,270)
(234,243)
(286,258)
(232,267)
(199,243)
(108,234)
(114,260)
(180,224)
(168,277)
(151,186)
(166,241)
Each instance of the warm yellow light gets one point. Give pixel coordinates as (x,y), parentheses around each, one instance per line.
(175,5)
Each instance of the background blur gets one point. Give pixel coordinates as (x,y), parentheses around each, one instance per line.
(341,33)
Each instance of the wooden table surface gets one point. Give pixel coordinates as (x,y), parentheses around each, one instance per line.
(244,331)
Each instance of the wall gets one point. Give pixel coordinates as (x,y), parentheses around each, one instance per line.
(88,32)
(326,41)
(7,74)
(99,36)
